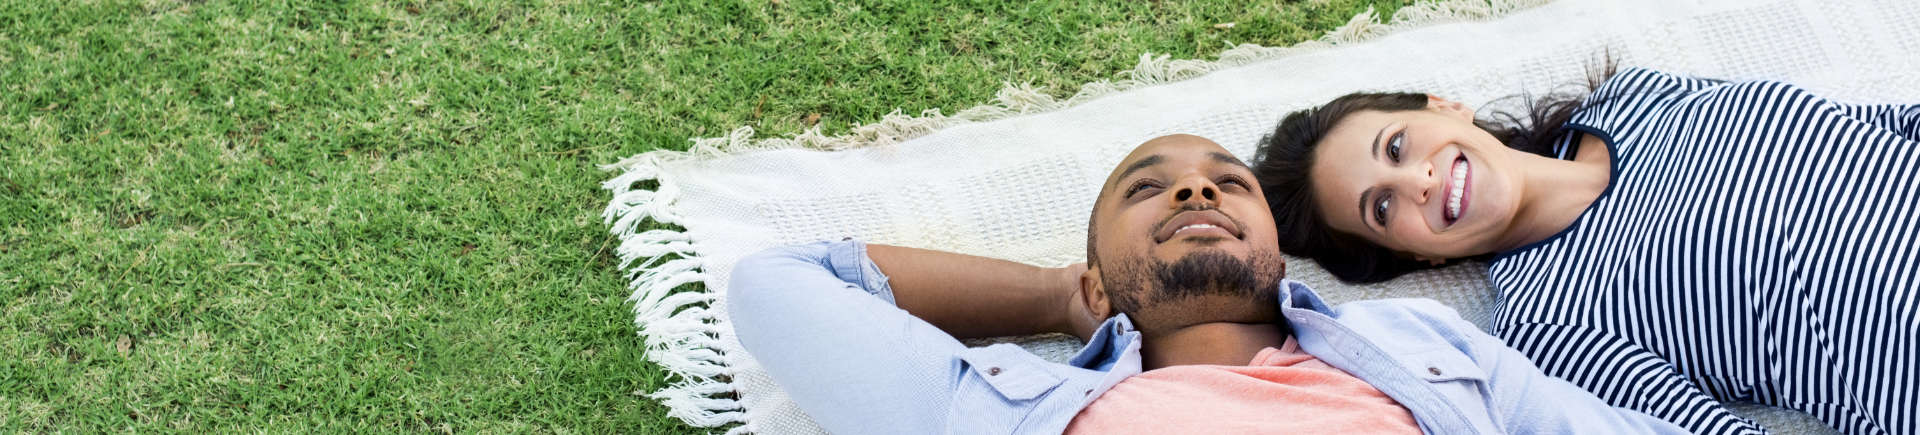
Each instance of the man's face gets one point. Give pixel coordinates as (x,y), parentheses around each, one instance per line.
(1182,235)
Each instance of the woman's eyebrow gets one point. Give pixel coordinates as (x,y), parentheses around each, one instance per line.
(1376,140)
(1369,192)
(1363,207)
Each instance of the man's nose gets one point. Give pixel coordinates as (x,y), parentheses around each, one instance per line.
(1196,190)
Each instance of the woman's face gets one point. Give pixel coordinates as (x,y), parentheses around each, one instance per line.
(1427,182)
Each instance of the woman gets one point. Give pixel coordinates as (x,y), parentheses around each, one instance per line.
(1665,238)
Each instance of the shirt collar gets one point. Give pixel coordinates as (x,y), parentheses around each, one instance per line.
(1100,351)
(1118,332)
(1295,295)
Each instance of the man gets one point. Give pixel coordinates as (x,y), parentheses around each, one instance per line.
(1184,281)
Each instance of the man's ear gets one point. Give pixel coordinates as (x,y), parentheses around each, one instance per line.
(1454,108)
(1094,294)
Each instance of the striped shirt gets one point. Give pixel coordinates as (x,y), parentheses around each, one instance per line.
(1756,242)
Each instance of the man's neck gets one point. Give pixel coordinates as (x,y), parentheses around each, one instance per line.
(1217,343)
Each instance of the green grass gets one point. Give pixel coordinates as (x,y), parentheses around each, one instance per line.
(384,216)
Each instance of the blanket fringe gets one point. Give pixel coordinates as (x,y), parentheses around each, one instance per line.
(684,335)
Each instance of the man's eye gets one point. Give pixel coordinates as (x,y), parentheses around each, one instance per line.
(1393,146)
(1380,210)
(1139,186)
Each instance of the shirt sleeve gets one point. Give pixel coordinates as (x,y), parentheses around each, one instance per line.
(1622,374)
(1901,119)
(819,317)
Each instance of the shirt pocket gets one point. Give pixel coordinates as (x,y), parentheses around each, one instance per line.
(999,386)
(1458,379)
(1444,365)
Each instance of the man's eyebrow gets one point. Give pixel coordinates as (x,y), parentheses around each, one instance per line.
(1228,159)
(1142,164)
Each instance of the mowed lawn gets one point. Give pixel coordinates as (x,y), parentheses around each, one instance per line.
(385,216)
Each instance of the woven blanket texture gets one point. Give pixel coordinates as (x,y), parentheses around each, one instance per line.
(1016,178)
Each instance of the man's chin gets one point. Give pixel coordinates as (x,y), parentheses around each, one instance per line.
(1209,270)
(1193,273)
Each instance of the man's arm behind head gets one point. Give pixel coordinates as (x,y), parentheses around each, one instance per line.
(818,317)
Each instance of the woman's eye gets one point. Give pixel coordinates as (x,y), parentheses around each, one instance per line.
(1393,146)
(1233,181)
(1380,211)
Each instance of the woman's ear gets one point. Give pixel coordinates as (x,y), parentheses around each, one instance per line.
(1454,108)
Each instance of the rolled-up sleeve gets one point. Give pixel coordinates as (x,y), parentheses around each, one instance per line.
(820,318)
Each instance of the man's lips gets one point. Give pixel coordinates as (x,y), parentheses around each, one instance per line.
(1195,222)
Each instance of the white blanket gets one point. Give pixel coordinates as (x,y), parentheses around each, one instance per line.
(1016,178)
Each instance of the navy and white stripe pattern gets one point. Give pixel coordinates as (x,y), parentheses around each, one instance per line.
(1757,243)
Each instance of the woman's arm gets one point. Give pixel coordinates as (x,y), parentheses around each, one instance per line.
(1619,371)
(971,297)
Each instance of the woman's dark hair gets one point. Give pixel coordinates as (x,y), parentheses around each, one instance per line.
(1282,165)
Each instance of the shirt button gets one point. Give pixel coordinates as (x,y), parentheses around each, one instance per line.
(993,371)
(1434,370)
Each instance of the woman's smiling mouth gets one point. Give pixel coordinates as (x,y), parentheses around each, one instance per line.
(1457,189)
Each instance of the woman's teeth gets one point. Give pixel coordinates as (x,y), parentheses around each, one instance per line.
(1459,189)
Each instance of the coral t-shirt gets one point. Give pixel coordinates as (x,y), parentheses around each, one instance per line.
(1284,390)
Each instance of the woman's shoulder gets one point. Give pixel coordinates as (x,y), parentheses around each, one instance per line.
(1638,83)
(1634,93)
(1630,95)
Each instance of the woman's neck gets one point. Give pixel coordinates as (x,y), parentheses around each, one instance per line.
(1557,191)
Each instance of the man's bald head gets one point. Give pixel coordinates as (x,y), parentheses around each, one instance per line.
(1144,156)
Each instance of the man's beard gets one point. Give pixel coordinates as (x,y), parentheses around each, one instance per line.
(1143,281)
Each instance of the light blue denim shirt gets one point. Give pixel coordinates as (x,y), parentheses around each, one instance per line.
(820,318)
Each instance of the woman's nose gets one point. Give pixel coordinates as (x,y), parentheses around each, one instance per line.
(1420,184)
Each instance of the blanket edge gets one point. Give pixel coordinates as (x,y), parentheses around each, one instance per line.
(683,335)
